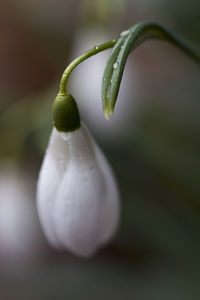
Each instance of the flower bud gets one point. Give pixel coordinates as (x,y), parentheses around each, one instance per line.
(77,195)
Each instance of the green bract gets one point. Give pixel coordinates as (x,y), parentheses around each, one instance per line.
(65,113)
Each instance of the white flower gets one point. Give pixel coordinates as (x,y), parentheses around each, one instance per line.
(20,238)
(77,196)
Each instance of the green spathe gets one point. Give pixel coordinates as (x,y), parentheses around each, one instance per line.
(65,113)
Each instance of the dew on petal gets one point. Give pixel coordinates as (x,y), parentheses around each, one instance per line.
(65,136)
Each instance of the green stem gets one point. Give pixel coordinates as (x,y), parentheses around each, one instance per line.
(78,60)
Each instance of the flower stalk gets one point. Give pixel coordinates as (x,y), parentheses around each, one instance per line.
(96,49)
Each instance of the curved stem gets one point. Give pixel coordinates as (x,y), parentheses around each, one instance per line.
(78,60)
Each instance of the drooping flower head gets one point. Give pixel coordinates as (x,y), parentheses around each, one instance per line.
(77,195)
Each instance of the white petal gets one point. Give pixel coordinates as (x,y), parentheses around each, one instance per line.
(111,209)
(78,200)
(52,170)
(81,197)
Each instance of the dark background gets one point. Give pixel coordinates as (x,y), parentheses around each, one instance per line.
(152,142)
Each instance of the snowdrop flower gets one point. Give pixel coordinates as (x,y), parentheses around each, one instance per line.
(77,195)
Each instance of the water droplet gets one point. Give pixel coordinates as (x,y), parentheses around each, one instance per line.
(97,47)
(115,66)
(124,33)
(65,136)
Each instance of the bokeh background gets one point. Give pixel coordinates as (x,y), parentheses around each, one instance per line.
(152,142)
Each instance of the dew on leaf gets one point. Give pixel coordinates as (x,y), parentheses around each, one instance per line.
(115,66)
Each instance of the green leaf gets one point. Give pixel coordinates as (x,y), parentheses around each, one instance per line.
(127,42)
(109,71)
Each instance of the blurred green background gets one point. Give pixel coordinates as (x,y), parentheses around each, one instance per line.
(152,142)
